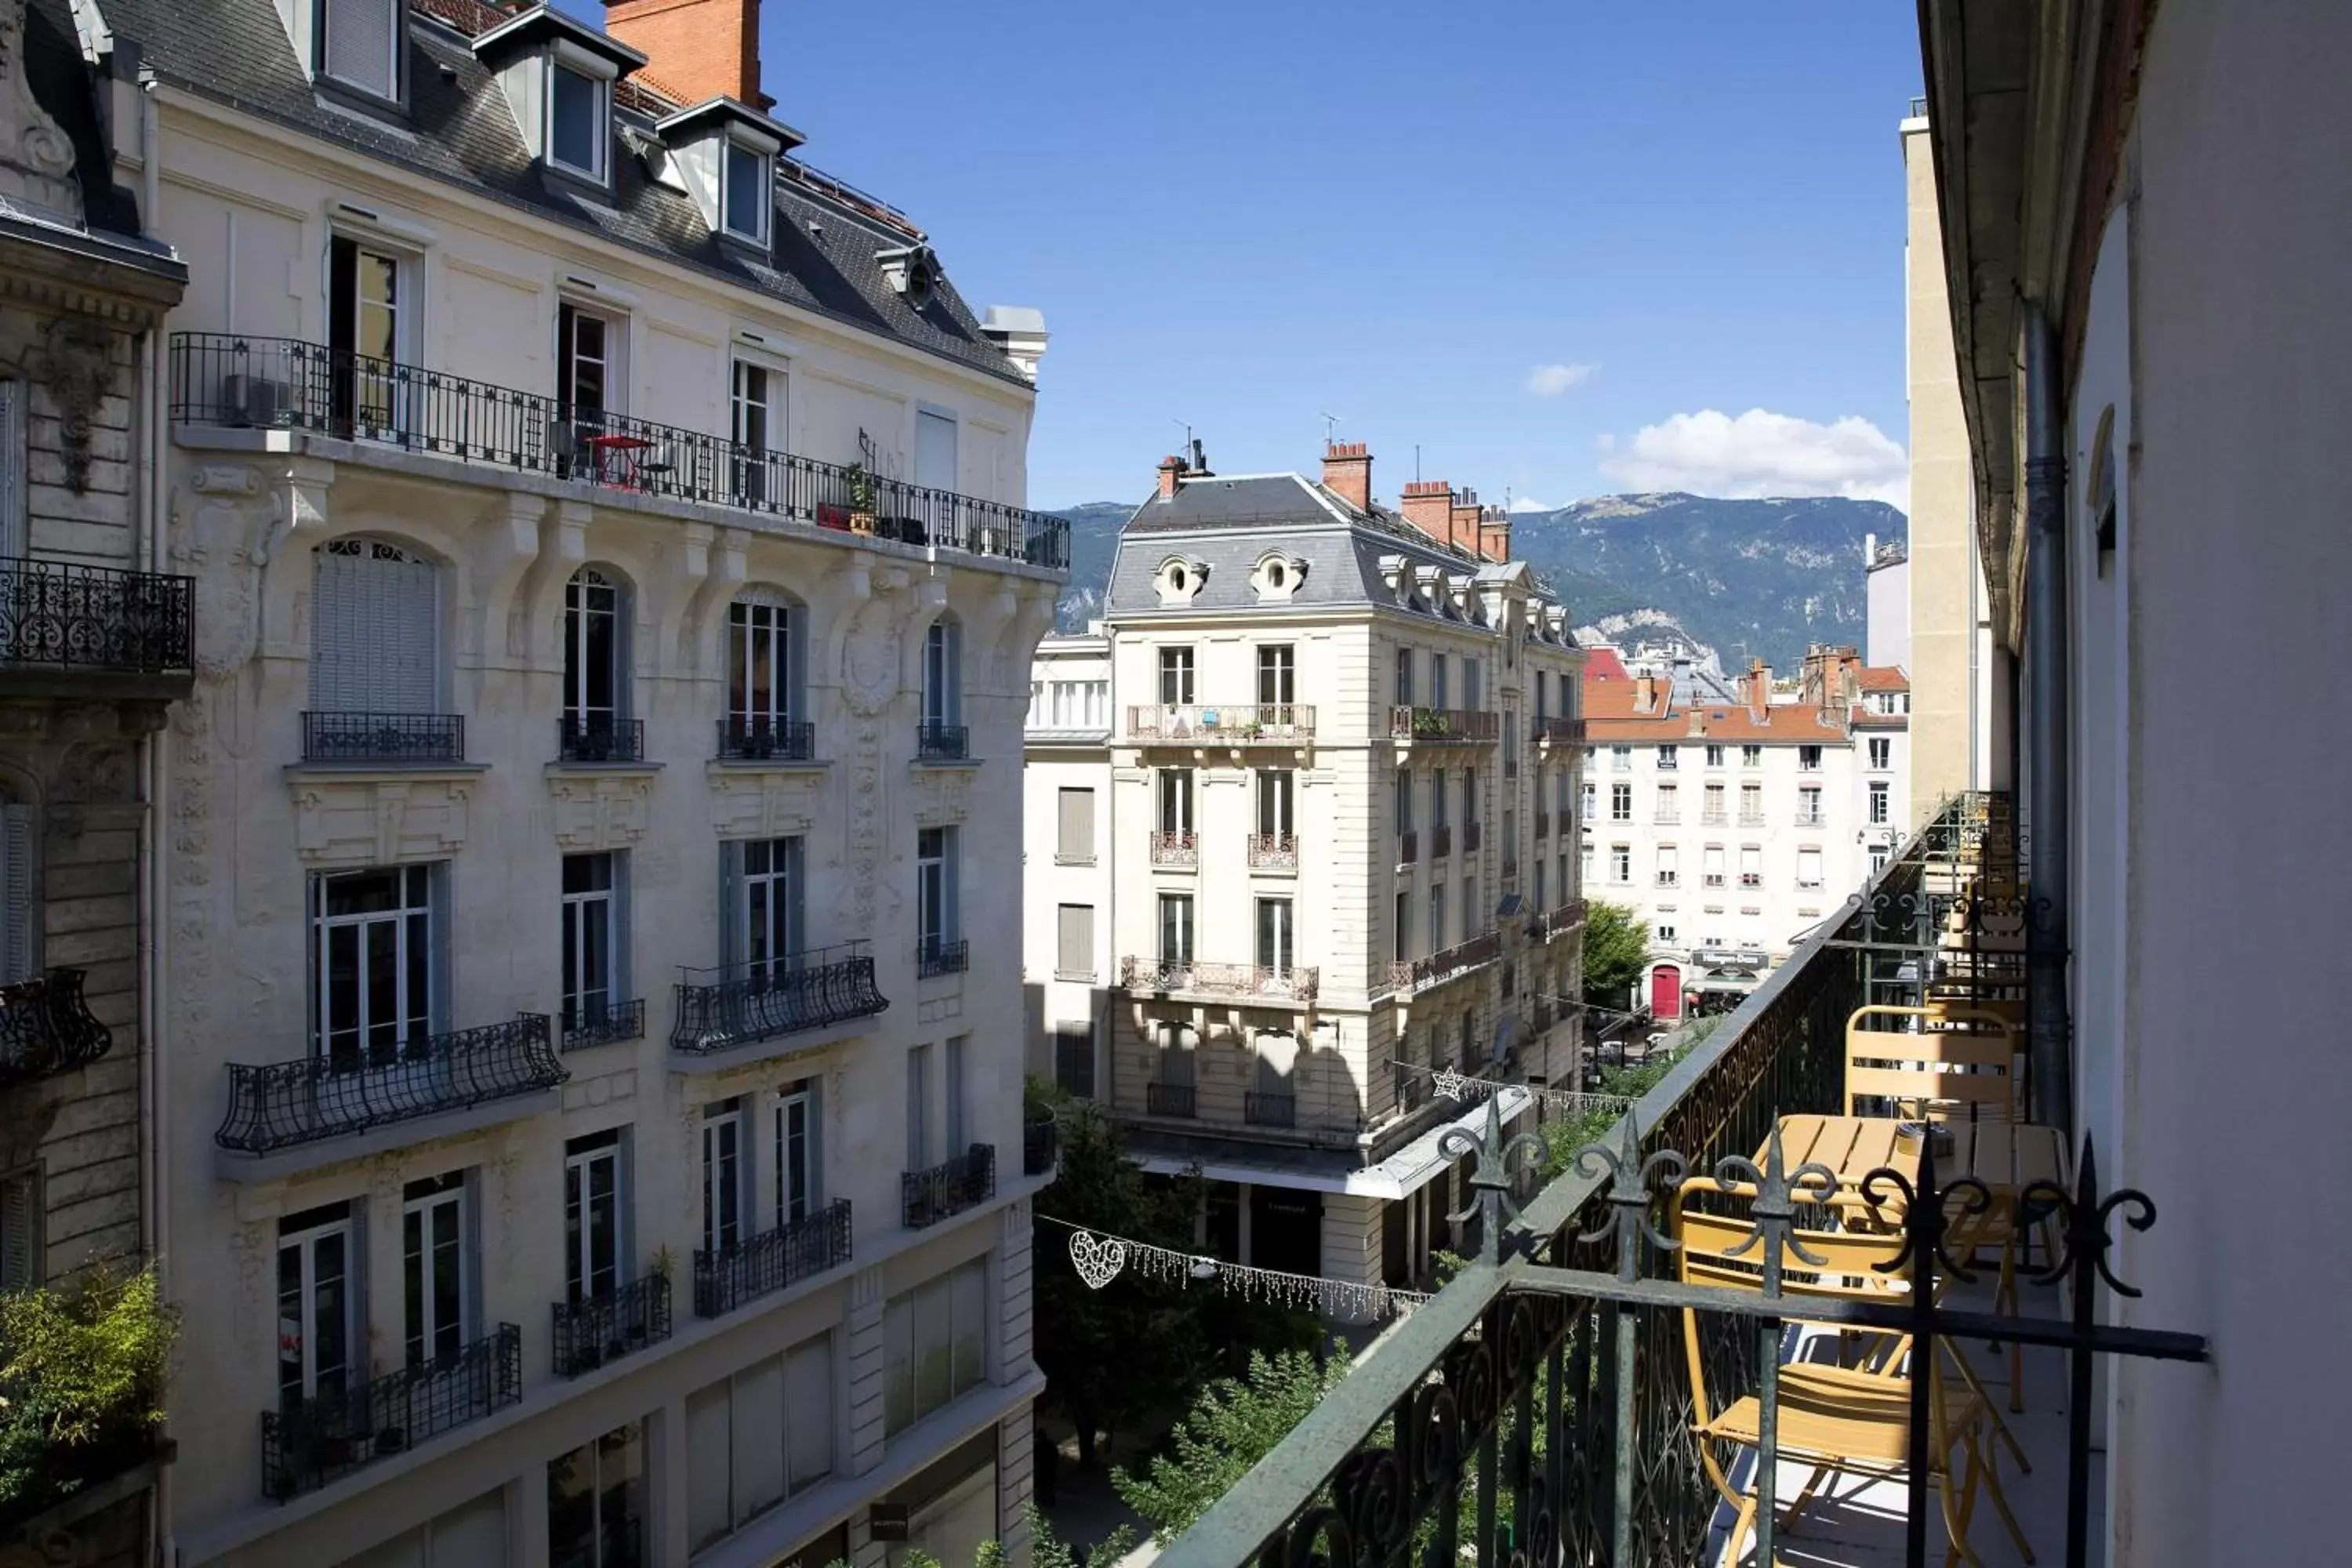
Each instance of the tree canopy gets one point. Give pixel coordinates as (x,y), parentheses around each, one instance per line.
(1616,946)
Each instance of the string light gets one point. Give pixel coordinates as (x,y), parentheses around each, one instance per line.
(1464,1089)
(1100,1259)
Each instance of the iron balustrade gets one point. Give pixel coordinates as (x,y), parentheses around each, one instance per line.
(1169,1099)
(1411,1088)
(1443,726)
(1274,851)
(598,1331)
(1041,1145)
(282,1105)
(1408,847)
(936,742)
(1563,731)
(603,1023)
(1248,724)
(1273,982)
(600,740)
(384,738)
(948,1188)
(1269,1109)
(47,1027)
(287,384)
(1810,819)
(308,1443)
(937,955)
(742,738)
(1410,976)
(1668,818)
(55,615)
(722,1008)
(1440,842)
(1472,835)
(1751,878)
(1170,848)
(1559,921)
(1543,826)
(775,1259)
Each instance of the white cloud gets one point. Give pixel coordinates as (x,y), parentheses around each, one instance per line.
(1760,454)
(1552,380)
(1529,504)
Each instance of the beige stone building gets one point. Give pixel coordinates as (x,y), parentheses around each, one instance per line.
(1336,806)
(594,1130)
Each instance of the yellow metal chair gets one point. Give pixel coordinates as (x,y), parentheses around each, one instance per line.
(1959,1063)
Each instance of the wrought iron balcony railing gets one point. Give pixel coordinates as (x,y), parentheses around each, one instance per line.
(1269,1109)
(1169,1099)
(937,955)
(1443,726)
(1559,920)
(1472,835)
(1274,851)
(741,1004)
(286,383)
(598,1331)
(1752,818)
(936,742)
(1559,731)
(1041,1145)
(1174,848)
(1714,817)
(1666,816)
(600,740)
(1420,974)
(1543,826)
(1440,842)
(308,1443)
(1250,724)
(282,1105)
(100,620)
(1810,819)
(1270,982)
(1410,1087)
(603,1023)
(774,1260)
(1408,847)
(47,1028)
(384,738)
(748,740)
(948,1188)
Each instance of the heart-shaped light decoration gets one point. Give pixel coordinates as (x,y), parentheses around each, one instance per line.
(1098,1259)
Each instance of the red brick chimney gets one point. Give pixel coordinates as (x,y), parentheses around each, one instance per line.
(1645,692)
(1462,529)
(1347,473)
(1428,505)
(1495,534)
(1759,684)
(694,49)
(1171,468)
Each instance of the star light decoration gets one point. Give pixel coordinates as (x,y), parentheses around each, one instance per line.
(1459,1086)
(1099,1259)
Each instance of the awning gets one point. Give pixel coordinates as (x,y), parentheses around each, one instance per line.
(1730,980)
(1400,1176)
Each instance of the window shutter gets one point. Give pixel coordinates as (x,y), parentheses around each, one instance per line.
(795,900)
(19,1233)
(709,1465)
(17,956)
(730,903)
(808,1399)
(1077,823)
(953,1093)
(935,451)
(359,45)
(618,976)
(374,636)
(1078,938)
(12,467)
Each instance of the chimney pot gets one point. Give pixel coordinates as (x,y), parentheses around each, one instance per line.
(1347,473)
(1171,468)
(1428,505)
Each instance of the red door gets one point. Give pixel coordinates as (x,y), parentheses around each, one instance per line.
(1666,991)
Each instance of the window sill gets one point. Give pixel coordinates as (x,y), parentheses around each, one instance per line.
(948,762)
(1073,860)
(297,772)
(1074,977)
(765,764)
(560,766)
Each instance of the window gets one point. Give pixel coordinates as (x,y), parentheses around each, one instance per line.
(14,458)
(1074,843)
(943,672)
(1669,805)
(756,1437)
(1175,1056)
(953,1097)
(1559,863)
(935,900)
(755,408)
(1510,743)
(375,623)
(1437,813)
(1073,1059)
(436,1270)
(1665,934)
(1176,800)
(1473,918)
(1403,925)
(21,1252)
(360,43)
(1437,682)
(1469,798)
(1277,675)
(596,1502)
(1715,756)
(1274,789)
(1751,756)
(1583,863)
(1469,1042)
(373,965)
(1751,803)
(764,670)
(576,121)
(585,382)
(19,928)
(1711,865)
(800,1173)
(1543,689)
(1669,865)
(1175,676)
(1437,917)
(1474,683)
(1277,949)
(1752,866)
(1176,928)
(763,916)
(593,678)
(1073,956)
(593,1212)
(1620,863)
(919,1107)
(364,306)
(1881,804)
(1808,867)
(1882,753)
(725,1177)
(1809,806)
(1403,801)
(1879,855)
(1541,904)
(1586,814)
(934,1345)
(936,463)
(1404,677)
(1669,758)
(318,1306)
(746,201)
(591,944)
(1621,803)
(1621,759)
(1809,758)
(1712,809)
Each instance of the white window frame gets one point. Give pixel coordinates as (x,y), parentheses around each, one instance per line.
(414,942)
(726,1180)
(592,919)
(776,890)
(943,672)
(1178,953)
(592,595)
(936,852)
(1173,800)
(1276,935)
(583,1159)
(763,623)
(1882,803)
(800,1174)
(763,164)
(612,356)
(429,1213)
(1882,753)
(1176,676)
(1278,674)
(566,58)
(1278,790)
(306,1240)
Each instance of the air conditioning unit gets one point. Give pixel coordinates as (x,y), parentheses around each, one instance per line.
(253,399)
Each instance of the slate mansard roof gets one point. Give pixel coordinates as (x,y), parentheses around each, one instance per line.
(458,130)
(1229,523)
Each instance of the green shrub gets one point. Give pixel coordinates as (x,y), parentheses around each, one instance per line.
(82,1371)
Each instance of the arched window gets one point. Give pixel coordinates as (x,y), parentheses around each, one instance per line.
(766,697)
(595,669)
(942,733)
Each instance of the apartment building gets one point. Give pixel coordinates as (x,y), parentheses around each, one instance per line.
(94,648)
(1734,828)
(1068,871)
(593,1101)
(1336,815)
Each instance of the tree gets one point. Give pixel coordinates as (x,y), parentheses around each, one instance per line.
(1232,1424)
(1616,946)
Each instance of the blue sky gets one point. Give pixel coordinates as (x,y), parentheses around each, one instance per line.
(1544,241)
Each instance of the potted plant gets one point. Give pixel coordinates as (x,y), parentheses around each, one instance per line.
(861,499)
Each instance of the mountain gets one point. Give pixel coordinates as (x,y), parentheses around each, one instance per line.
(1744,577)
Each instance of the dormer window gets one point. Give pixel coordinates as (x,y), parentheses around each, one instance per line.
(724,156)
(359,45)
(746,199)
(557,75)
(577,116)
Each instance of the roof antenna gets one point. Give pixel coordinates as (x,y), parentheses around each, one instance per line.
(1416,462)
(1330,429)
(1186,449)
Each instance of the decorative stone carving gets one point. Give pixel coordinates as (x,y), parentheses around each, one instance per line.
(765,803)
(78,368)
(942,797)
(380,821)
(869,659)
(215,524)
(600,811)
(36,157)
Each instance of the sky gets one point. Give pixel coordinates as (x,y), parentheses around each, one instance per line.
(1566,249)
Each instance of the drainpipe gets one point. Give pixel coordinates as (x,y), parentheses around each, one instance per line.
(2049,1028)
